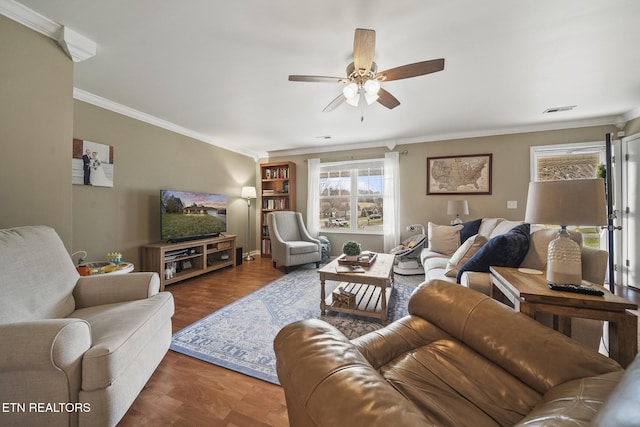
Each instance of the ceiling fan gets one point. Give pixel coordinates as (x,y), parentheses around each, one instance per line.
(363,79)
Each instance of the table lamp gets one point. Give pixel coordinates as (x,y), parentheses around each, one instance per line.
(563,203)
(457,208)
(248,193)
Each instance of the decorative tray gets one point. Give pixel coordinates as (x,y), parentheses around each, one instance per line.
(365,259)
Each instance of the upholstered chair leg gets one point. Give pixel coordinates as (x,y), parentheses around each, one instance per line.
(317,264)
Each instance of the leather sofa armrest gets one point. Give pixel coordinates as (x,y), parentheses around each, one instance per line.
(476,280)
(512,340)
(327,381)
(622,408)
(112,288)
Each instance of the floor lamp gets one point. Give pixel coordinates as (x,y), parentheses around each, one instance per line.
(248,193)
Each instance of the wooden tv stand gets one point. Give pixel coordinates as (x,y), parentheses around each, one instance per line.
(191,258)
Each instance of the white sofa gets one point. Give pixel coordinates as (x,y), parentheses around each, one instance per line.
(594,261)
(73,350)
(437,264)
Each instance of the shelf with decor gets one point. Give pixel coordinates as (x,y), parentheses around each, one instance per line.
(278,193)
(179,261)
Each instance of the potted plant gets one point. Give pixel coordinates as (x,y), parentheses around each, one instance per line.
(351,249)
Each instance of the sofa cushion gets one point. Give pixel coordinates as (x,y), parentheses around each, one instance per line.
(456,386)
(622,408)
(488,224)
(503,227)
(444,238)
(575,402)
(432,263)
(469,228)
(464,254)
(38,275)
(504,250)
(302,247)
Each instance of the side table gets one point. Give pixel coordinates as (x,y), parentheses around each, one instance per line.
(530,294)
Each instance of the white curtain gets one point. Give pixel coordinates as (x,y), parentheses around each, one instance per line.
(313,196)
(391,205)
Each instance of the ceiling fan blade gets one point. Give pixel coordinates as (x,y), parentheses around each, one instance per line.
(412,70)
(364,46)
(315,79)
(388,100)
(335,103)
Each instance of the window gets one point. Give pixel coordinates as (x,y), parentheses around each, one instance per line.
(351,196)
(569,161)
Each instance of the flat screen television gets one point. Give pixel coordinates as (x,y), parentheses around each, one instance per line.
(187,215)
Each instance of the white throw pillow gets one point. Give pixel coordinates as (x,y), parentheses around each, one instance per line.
(444,239)
(464,254)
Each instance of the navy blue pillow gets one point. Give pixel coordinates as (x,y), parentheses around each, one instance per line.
(470,228)
(504,250)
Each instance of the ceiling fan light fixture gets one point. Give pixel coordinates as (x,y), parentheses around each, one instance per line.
(350,92)
(371,98)
(353,101)
(371,87)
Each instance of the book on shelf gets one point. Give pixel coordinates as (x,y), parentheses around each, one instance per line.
(349,269)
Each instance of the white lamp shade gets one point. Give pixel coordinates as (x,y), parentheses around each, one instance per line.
(350,91)
(248,193)
(457,207)
(372,87)
(567,202)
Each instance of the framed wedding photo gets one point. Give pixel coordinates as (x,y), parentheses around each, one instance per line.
(91,164)
(468,174)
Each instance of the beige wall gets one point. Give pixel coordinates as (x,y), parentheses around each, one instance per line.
(632,127)
(146,160)
(39,119)
(36,119)
(510,177)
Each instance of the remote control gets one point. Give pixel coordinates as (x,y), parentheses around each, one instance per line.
(580,289)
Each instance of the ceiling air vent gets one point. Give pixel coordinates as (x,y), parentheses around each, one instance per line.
(559,109)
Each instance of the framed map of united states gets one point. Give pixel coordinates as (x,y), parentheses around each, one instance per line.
(468,174)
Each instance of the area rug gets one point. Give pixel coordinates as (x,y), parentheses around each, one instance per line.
(240,336)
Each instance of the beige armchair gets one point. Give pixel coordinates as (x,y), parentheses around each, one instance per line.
(291,243)
(73,350)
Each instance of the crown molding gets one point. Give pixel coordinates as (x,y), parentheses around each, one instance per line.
(30,18)
(107,104)
(391,144)
(76,46)
(630,115)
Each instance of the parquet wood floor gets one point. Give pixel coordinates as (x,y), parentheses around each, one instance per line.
(188,392)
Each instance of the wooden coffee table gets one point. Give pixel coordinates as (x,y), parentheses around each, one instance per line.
(530,294)
(372,288)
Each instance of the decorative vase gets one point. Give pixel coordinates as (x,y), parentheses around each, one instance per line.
(564,264)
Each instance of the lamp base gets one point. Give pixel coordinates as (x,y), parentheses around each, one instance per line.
(564,260)
(248,257)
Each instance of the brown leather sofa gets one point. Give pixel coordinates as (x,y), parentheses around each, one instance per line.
(458,359)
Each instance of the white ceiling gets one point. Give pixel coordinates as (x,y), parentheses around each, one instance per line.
(218,70)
